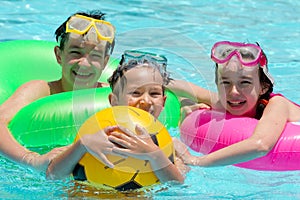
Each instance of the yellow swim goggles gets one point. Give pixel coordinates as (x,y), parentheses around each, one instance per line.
(82,24)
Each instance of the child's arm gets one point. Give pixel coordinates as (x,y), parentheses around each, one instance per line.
(141,146)
(193,97)
(193,92)
(96,144)
(9,146)
(265,136)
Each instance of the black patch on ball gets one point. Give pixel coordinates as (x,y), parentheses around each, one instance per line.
(79,173)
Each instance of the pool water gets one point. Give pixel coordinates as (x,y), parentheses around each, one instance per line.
(184,31)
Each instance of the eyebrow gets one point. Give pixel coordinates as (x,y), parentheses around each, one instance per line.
(246,77)
(75,47)
(154,86)
(242,77)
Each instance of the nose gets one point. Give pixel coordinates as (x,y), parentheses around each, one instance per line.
(84,61)
(145,101)
(234,90)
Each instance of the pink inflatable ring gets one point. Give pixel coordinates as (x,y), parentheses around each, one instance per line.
(207,131)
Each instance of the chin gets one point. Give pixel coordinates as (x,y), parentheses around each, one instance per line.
(80,87)
(155,114)
(83,85)
(236,112)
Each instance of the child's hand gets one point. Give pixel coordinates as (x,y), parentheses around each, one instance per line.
(98,144)
(182,151)
(186,110)
(139,145)
(41,162)
(181,166)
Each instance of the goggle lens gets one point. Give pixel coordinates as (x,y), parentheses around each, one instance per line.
(140,55)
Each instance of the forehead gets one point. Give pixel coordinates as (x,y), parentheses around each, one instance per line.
(235,70)
(142,75)
(80,41)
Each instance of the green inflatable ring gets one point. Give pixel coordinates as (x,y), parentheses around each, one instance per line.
(54,120)
(25,60)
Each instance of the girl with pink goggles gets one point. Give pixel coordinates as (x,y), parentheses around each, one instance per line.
(248,54)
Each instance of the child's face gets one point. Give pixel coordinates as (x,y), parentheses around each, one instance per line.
(142,88)
(239,88)
(82,62)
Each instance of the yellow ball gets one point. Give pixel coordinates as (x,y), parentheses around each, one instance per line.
(128,173)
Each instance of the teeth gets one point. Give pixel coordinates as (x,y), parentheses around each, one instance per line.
(82,73)
(235,102)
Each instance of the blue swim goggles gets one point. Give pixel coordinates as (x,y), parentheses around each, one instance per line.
(141,55)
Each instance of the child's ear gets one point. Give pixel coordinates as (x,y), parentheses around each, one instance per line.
(57,53)
(113,100)
(265,88)
(165,98)
(106,59)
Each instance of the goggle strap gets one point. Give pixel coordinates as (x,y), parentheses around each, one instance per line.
(263,59)
(122,59)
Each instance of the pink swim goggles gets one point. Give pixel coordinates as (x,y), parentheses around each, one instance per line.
(248,54)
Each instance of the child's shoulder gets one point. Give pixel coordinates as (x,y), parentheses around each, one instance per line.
(280,98)
(283,103)
(35,86)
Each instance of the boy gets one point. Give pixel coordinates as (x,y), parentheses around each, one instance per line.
(85,44)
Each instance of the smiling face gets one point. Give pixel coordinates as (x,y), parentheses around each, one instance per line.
(239,87)
(82,62)
(140,87)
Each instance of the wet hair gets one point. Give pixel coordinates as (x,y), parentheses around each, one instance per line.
(124,67)
(263,99)
(62,37)
(265,83)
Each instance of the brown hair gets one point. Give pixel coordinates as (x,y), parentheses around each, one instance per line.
(124,67)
